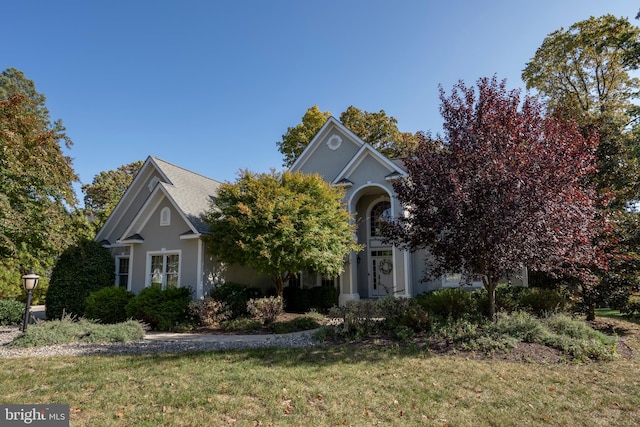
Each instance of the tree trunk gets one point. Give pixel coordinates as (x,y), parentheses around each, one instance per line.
(490,286)
(591,312)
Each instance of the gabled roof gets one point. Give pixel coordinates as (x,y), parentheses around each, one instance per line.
(330,124)
(189,192)
(368,151)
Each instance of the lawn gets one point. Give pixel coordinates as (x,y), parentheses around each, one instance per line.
(349,385)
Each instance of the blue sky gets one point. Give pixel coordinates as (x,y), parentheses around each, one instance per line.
(213,85)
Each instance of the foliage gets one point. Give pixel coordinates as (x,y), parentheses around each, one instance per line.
(585,73)
(241,325)
(572,336)
(632,307)
(504,189)
(301,300)
(448,303)
(11,312)
(266,309)
(399,317)
(108,305)
(297,138)
(106,189)
(295,325)
(378,129)
(68,330)
(36,177)
(12,270)
(160,309)
(235,296)
(80,270)
(280,224)
(541,302)
(209,312)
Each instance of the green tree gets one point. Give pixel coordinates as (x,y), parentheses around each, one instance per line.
(584,74)
(297,138)
(377,129)
(37,200)
(81,269)
(105,191)
(280,224)
(581,74)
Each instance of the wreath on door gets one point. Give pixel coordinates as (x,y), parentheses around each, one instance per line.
(385,266)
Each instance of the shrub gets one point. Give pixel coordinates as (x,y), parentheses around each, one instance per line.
(321,298)
(68,330)
(79,271)
(160,309)
(541,302)
(108,305)
(241,325)
(296,300)
(449,302)
(266,309)
(11,312)
(358,319)
(236,296)
(299,324)
(209,312)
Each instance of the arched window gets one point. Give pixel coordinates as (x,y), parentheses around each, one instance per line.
(165,216)
(380,212)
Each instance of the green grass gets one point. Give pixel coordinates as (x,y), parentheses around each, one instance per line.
(325,386)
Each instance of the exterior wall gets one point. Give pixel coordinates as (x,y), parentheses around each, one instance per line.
(329,163)
(127,216)
(165,239)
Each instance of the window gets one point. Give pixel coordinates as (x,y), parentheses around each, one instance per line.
(122,272)
(380,213)
(165,216)
(165,270)
(459,280)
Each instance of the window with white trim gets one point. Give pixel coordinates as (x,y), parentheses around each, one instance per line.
(164,269)
(460,280)
(122,272)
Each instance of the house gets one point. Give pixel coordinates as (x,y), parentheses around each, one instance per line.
(155,232)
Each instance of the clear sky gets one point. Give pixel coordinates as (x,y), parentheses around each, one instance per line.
(213,85)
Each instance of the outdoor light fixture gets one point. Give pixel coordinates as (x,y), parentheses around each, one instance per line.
(29,282)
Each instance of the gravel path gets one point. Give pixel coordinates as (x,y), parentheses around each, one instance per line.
(155,343)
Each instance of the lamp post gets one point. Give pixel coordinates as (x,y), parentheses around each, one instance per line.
(29,281)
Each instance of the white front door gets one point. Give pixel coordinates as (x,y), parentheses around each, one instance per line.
(381,273)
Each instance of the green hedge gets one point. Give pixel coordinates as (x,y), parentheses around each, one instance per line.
(81,269)
(11,312)
(320,298)
(160,309)
(108,305)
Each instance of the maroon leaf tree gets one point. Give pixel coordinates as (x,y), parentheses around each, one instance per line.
(504,189)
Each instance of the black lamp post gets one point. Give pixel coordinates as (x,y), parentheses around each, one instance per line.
(29,281)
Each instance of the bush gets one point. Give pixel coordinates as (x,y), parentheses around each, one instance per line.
(449,302)
(108,305)
(68,330)
(236,296)
(11,312)
(209,312)
(160,309)
(541,302)
(320,298)
(80,270)
(265,310)
(241,325)
(299,324)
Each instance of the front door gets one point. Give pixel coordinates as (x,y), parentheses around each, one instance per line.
(381,282)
